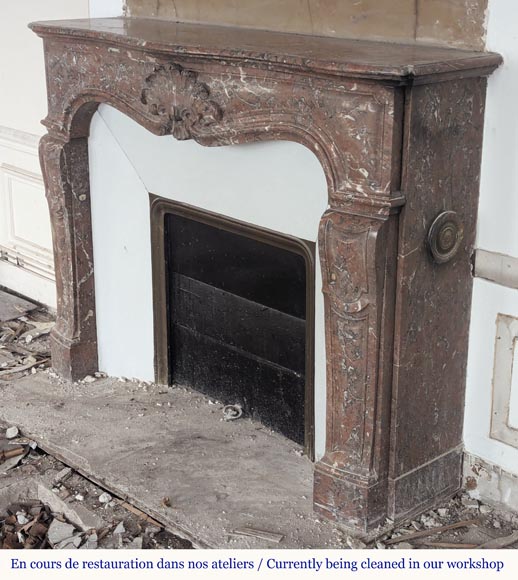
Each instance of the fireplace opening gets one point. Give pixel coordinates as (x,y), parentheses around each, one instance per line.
(239,306)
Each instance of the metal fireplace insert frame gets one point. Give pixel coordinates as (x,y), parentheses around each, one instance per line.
(159,208)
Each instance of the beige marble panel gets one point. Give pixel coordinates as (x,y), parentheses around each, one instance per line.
(452,22)
(394,20)
(445,22)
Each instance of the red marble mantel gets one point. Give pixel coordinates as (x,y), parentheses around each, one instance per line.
(398,131)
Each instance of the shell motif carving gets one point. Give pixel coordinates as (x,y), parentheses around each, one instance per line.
(177,96)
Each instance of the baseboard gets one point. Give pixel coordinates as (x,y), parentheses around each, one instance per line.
(490,483)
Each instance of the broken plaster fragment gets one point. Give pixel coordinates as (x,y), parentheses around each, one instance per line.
(59,531)
(21,518)
(12,432)
(105,497)
(62,475)
(135,544)
(70,543)
(120,529)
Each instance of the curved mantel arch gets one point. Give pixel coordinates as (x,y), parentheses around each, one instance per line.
(393,126)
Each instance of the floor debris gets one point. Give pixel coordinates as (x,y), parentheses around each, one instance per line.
(24,345)
(13,307)
(59,531)
(61,509)
(11,432)
(51,516)
(431,531)
(25,526)
(166,502)
(501,542)
(261,534)
(120,529)
(355,543)
(232,412)
(38,329)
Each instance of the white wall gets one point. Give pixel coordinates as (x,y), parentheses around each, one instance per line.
(22,71)
(257,183)
(26,261)
(497,232)
(106,8)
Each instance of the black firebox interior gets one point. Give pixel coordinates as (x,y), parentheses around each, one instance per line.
(238,319)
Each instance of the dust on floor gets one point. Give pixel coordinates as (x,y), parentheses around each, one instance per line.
(46,505)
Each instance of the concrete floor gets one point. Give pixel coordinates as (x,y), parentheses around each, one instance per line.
(145,443)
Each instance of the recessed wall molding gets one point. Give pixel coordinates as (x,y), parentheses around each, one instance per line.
(19,140)
(25,237)
(502,428)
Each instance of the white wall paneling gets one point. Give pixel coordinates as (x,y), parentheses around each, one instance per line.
(502,428)
(25,235)
(489,301)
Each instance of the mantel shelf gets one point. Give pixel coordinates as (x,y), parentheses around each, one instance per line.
(402,63)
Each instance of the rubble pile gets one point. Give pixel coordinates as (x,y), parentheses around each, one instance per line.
(462,523)
(25,526)
(24,344)
(47,505)
(61,509)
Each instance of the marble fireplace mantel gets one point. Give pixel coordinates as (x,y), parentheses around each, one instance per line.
(398,132)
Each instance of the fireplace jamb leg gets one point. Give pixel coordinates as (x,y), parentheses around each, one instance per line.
(358,272)
(66,176)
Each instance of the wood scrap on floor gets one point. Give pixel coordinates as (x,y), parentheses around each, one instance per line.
(431,531)
(13,449)
(448,545)
(27,363)
(139,513)
(25,526)
(502,542)
(261,534)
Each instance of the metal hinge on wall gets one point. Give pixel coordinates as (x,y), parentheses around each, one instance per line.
(39,266)
(10,257)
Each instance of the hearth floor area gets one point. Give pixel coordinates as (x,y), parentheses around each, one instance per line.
(170,452)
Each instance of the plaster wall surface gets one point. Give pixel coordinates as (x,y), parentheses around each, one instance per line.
(24,99)
(490,377)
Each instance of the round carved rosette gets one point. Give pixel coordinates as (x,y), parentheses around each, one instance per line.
(445,236)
